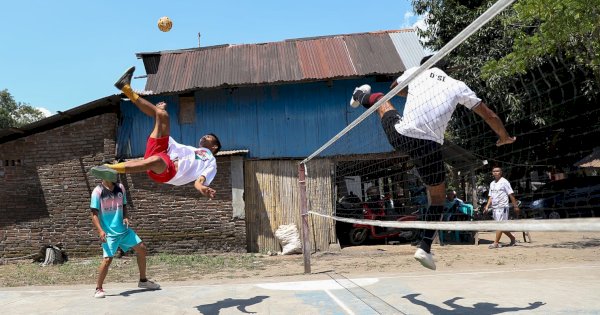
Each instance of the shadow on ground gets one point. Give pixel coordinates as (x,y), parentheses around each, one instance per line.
(240,304)
(482,308)
(131,292)
(586,243)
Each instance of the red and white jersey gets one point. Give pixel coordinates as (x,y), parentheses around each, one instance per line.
(432,98)
(192,163)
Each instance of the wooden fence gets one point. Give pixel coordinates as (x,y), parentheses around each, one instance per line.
(272,200)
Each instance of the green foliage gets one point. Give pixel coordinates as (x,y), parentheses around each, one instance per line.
(16,114)
(543,28)
(535,64)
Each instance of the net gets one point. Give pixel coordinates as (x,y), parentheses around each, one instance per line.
(373,175)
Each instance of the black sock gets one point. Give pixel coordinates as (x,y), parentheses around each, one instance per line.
(433,214)
(362,98)
(144,280)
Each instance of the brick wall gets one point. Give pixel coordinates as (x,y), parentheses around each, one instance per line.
(45,191)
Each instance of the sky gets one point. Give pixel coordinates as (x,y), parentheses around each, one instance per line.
(57,55)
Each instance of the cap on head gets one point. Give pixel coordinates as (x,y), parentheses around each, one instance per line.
(111,177)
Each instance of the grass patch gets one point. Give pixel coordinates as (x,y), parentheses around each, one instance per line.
(165,267)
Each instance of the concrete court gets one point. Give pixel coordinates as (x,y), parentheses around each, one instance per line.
(571,289)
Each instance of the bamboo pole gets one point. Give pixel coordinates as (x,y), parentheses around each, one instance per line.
(304,212)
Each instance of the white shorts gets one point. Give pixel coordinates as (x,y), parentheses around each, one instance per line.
(500,214)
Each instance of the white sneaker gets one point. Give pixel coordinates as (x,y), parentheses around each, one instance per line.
(99,294)
(148,285)
(426,259)
(365,88)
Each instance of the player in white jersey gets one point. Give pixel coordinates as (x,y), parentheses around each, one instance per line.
(432,97)
(165,160)
(500,192)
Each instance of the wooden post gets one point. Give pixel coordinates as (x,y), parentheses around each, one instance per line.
(304,213)
(475,201)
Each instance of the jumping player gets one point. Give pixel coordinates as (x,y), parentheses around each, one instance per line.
(431,99)
(165,160)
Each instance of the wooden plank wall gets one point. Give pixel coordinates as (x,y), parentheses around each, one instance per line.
(320,195)
(272,199)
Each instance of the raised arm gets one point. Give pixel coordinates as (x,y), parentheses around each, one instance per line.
(205,190)
(495,123)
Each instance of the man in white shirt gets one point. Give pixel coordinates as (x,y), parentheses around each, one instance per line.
(165,160)
(432,97)
(500,192)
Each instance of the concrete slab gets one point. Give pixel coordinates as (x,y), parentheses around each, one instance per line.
(572,289)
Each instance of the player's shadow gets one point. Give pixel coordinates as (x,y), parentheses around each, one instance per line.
(588,243)
(240,304)
(130,292)
(481,308)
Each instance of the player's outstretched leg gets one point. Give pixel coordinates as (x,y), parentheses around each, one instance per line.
(362,96)
(124,84)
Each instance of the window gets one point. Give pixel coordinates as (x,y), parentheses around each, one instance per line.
(187,110)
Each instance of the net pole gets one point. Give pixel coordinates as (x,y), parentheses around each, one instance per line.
(304,215)
(483,19)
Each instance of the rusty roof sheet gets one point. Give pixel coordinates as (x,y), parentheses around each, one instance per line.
(295,60)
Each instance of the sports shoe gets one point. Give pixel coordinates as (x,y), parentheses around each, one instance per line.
(513,242)
(425,258)
(494,246)
(104,172)
(148,285)
(355,99)
(125,78)
(99,294)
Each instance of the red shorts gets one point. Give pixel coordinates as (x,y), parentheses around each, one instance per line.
(159,147)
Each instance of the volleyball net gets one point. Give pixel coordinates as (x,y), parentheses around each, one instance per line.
(375,171)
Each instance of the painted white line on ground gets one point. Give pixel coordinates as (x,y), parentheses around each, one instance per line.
(342,305)
(315,285)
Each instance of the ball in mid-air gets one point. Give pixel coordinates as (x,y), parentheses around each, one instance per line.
(165,24)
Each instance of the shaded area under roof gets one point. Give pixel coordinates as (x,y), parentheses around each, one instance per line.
(295,60)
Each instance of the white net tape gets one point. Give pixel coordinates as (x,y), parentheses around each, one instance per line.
(564,225)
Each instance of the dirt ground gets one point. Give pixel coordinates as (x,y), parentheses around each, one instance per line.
(545,249)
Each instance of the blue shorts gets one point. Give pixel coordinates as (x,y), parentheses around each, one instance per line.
(126,241)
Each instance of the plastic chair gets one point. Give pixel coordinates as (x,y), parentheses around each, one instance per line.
(464,208)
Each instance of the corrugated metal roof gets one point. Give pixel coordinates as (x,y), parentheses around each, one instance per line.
(324,58)
(409,48)
(305,59)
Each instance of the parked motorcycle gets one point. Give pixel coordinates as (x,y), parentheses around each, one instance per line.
(375,210)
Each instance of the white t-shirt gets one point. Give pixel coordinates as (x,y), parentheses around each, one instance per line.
(432,98)
(499,192)
(192,163)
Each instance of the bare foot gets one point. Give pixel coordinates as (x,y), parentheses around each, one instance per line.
(508,140)
(161,105)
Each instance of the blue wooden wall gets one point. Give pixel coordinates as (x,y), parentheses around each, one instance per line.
(283,121)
